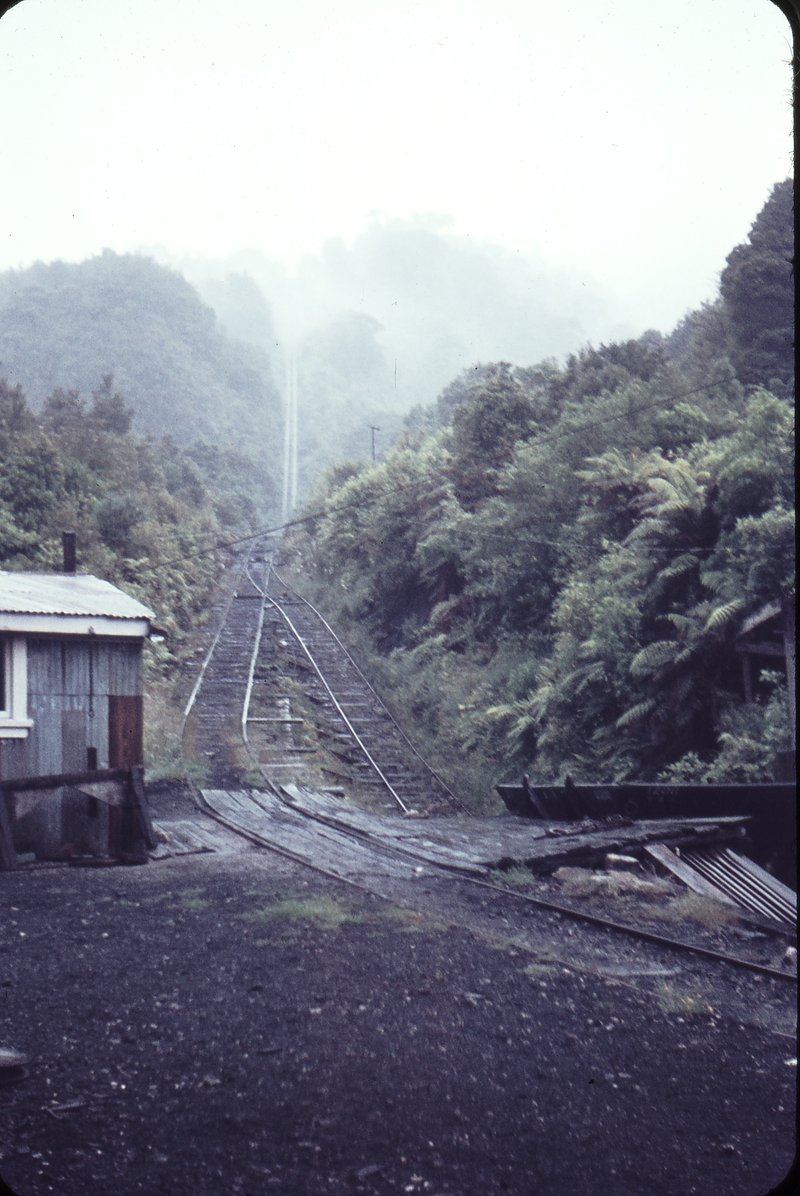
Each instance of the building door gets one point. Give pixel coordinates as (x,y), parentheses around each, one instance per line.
(125,750)
(125,732)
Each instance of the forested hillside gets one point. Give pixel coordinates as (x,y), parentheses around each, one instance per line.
(549,571)
(66,325)
(378,325)
(145,510)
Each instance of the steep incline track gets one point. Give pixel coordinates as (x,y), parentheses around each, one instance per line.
(245,655)
(382,756)
(213,715)
(270,643)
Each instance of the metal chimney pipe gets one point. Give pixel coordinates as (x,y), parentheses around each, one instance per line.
(68,545)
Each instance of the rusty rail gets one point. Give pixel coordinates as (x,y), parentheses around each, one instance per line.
(445,787)
(647,936)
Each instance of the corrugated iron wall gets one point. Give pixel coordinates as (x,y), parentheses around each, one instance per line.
(68,699)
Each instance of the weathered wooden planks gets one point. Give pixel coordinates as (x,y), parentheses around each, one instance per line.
(270,822)
(322,830)
(120,791)
(8,856)
(693,880)
(180,837)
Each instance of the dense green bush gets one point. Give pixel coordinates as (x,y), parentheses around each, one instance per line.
(145,511)
(549,572)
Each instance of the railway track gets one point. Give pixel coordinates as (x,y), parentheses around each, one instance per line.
(358,729)
(212,714)
(278,692)
(278,682)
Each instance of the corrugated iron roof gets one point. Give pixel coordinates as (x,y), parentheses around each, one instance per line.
(750,886)
(66,594)
(770,611)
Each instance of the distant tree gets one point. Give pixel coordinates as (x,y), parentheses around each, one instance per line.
(64,325)
(117,516)
(495,415)
(109,411)
(64,411)
(29,476)
(242,308)
(593,371)
(146,511)
(15,415)
(701,337)
(458,391)
(757,286)
(537,379)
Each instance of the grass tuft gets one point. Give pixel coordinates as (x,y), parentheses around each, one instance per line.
(704,911)
(190,899)
(322,912)
(670,1000)
(410,921)
(518,877)
(584,882)
(538,971)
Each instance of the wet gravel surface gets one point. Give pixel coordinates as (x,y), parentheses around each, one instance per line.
(235,1023)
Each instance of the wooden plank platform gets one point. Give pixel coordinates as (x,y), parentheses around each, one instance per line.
(323,830)
(269,821)
(181,837)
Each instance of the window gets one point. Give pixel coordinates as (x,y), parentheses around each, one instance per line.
(14,721)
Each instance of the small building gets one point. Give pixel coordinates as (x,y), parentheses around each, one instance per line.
(768,638)
(71,701)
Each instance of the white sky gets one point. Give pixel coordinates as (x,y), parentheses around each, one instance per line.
(630,140)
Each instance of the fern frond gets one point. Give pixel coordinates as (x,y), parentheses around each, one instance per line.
(679,622)
(498,713)
(595,672)
(723,614)
(636,713)
(677,568)
(653,656)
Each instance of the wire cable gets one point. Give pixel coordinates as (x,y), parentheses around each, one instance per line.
(223,545)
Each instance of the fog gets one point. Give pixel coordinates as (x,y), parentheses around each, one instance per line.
(438,301)
(627,143)
(386,195)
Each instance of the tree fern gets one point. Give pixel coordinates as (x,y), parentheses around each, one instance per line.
(636,714)
(723,615)
(654,656)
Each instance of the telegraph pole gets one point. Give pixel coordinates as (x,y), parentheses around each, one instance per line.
(290,436)
(373,430)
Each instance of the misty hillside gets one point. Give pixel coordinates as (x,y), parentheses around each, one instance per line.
(441,301)
(66,325)
(382,325)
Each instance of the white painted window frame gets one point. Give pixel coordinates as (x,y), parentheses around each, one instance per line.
(14,721)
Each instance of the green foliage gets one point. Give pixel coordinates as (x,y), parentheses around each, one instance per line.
(749,737)
(594,372)
(495,415)
(757,286)
(550,572)
(145,511)
(66,325)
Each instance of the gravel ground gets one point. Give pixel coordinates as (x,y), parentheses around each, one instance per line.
(235,1023)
